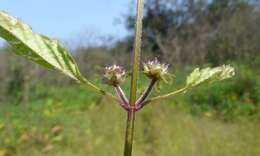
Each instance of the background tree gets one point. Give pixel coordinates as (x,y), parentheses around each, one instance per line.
(201,31)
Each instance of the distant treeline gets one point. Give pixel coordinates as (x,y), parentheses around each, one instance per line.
(199,31)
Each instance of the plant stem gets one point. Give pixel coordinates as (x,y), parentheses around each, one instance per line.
(146,93)
(123,99)
(182,90)
(137,52)
(129,132)
(133,92)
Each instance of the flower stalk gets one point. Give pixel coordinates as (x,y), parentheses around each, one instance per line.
(140,101)
(122,98)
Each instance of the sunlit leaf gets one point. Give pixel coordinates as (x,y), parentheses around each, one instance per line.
(41,49)
(36,47)
(199,76)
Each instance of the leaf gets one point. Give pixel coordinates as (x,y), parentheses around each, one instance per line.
(41,49)
(199,76)
(37,48)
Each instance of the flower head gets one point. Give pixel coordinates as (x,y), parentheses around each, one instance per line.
(114,75)
(156,70)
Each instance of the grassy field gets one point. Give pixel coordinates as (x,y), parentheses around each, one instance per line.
(66,121)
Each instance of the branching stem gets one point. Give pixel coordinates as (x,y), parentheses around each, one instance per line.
(123,99)
(146,93)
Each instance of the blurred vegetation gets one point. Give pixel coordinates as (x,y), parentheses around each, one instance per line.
(45,113)
(73,121)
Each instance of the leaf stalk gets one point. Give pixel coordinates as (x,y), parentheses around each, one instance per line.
(180,91)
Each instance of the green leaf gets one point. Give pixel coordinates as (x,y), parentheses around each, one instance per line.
(42,50)
(199,76)
(36,47)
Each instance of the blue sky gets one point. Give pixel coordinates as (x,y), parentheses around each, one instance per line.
(64,19)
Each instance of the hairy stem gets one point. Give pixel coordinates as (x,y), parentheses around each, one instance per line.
(145,94)
(129,134)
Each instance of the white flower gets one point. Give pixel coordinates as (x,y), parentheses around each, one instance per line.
(156,70)
(114,75)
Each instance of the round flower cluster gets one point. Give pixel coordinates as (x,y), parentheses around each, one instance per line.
(114,75)
(156,70)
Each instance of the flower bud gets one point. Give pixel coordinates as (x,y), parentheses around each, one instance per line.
(114,75)
(155,70)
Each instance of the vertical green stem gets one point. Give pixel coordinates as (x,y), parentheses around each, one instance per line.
(129,132)
(133,92)
(137,51)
